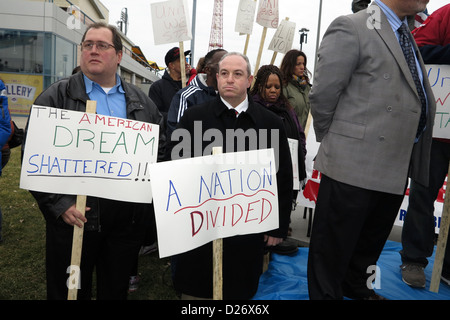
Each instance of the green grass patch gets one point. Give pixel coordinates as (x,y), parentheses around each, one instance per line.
(22,253)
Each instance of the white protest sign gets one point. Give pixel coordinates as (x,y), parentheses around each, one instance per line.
(170,20)
(439,76)
(267,15)
(293,146)
(308,196)
(198,200)
(245,16)
(283,38)
(79,153)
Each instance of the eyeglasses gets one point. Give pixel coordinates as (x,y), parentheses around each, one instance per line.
(101,46)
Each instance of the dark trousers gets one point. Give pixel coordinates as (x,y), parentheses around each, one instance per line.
(418,232)
(111,253)
(351,226)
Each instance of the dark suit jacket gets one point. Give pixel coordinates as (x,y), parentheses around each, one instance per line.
(242,255)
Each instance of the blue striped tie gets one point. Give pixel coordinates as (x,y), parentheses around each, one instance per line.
(406,45)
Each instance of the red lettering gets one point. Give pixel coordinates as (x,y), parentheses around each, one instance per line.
(233,222)
(195,231)
(248,211)
(262,210)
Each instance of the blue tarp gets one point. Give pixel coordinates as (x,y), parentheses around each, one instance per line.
(286,279)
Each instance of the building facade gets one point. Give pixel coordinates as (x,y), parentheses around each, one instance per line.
(39,44)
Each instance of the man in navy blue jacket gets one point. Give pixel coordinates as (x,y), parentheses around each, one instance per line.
(201,89)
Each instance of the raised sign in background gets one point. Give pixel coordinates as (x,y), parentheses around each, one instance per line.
(439,76)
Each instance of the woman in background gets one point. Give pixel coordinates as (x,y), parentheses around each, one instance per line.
(296,83)
(268,92)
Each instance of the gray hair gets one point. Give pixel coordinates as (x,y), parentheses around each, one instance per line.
(249,68)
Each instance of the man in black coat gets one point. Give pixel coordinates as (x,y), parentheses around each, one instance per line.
(162,91)
(113,230)
(233,113)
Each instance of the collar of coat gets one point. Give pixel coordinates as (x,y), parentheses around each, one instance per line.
(76,90)
(221,108)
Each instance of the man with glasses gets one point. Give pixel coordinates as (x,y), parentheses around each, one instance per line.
(113,230)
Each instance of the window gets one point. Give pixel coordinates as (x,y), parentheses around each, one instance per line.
(21,51)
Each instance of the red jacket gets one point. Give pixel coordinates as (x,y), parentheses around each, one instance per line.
(433,39)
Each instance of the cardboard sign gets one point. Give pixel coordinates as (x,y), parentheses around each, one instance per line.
(308,197)
(293,146)
(198,200)
(170,20)
(71,152)
(267,15)
(439,76)
(245,16)
(284,37)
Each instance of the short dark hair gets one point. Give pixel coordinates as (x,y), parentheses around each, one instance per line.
(117,40)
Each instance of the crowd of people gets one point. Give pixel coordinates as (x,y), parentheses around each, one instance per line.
(368,83)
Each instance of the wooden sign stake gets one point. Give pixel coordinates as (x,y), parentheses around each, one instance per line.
(442,242)
(217,258)
(247,39)
(182,65)
(261,46)
(77,242)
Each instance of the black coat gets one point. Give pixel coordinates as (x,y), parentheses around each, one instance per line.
(292,131)
(242,255)
(162,91)
(70,94)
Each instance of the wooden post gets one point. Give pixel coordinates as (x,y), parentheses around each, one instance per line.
(442,242)
(247,39)
(258,59)
(274,56)
(217,258)
(77,242)
(182,65)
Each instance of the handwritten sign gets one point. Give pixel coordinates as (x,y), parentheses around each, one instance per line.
(267,15)
(308,197)
(439,76)
(284,37)
(78,153)
(170,22)
(293,146)
(201,199)
(245,16)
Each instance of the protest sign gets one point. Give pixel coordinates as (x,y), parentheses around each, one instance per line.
(284,37)
(439,76)
(198,200)
(245,16)
(170,20)
(267,15)
(79,153)
(268,18)
(293,146)
(308,196)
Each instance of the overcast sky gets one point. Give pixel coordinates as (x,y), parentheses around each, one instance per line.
(304,13)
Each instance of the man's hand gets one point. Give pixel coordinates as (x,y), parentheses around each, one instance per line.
(272,241)
(74,217)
